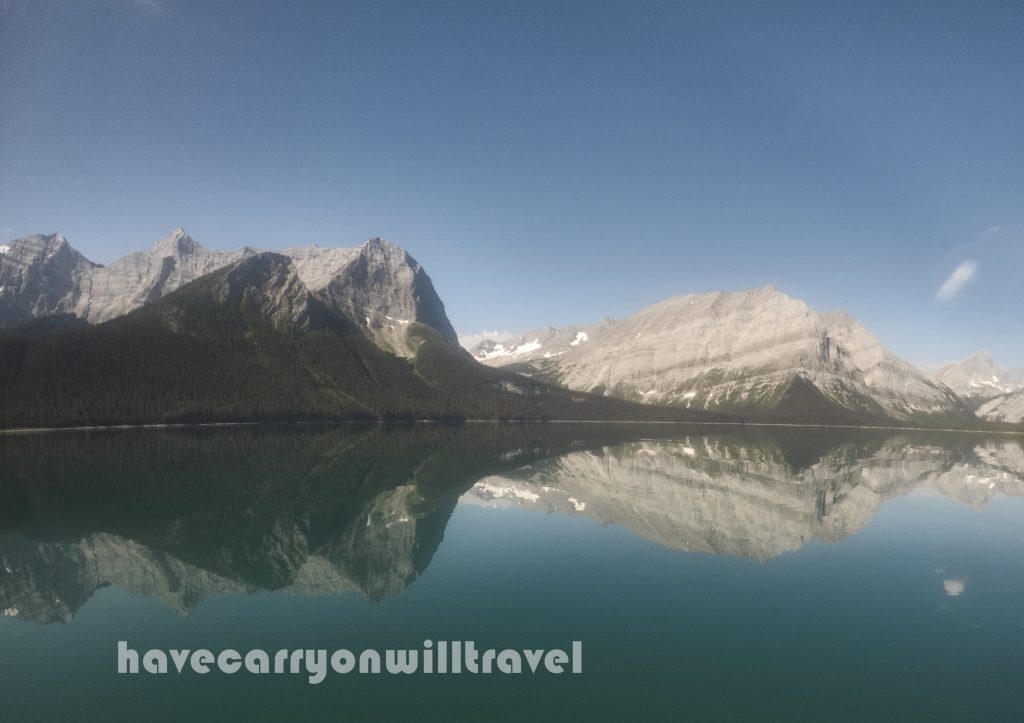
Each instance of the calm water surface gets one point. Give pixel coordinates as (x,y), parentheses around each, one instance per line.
(712,574)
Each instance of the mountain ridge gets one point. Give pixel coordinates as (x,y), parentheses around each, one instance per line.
(1007,408)
(979,378)
(250,342)
(379,286)
(757,354)
(730,351)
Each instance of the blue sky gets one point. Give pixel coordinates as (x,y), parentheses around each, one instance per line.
(549,162)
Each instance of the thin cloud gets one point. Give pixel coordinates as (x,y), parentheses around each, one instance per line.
(154,6)
(468,341)
(961,276)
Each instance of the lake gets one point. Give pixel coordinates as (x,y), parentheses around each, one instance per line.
(709,573)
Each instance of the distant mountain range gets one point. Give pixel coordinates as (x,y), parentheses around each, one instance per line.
(185,333)
(378,286)
(319,334)
(980,378)
(746,352)
(996,393)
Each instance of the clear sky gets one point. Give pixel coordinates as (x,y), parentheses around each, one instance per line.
(549,162)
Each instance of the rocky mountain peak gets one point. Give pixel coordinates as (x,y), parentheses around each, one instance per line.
(177,243)
(382,245)
(378,286)
(28,248)
(257,289)
(385,255)
(39,275)
(384,289)
(268,284)
(980,362)
(979,377)
(266,269)
(728,351)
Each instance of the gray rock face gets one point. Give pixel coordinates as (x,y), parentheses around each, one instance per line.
(377,286)
(39,276)
(141,277)
(901,389)
(269,284)
(727,351)
(700,494)
(980,378)
(1004,408)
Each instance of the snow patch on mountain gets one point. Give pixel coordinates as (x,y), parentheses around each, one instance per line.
(470,340)
(499,350)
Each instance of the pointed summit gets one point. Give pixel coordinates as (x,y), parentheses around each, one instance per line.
(385,290)
(265,284)
(758,351)
(37,244)
(177,243)
(377,286)
(39,276)
(382,248)
(376,242)
(979,377)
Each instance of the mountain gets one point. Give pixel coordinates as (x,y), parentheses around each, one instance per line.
(1004,408)
(252,342)
(377,286)
(39,275)
(756,351)
(979,378)
(902,390)
(107,292)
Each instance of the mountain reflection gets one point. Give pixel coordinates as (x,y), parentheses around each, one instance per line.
(742,497)
(182,515)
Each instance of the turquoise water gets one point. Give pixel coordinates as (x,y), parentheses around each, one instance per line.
(711,574)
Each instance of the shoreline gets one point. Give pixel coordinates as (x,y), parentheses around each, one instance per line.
(382,422)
